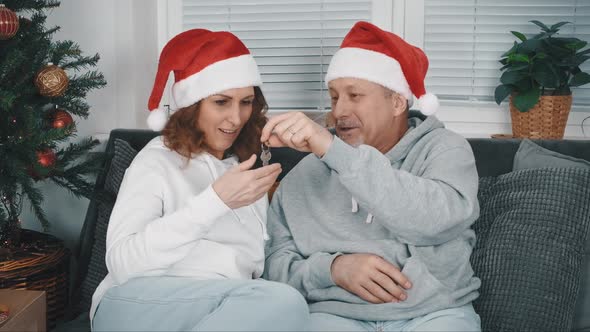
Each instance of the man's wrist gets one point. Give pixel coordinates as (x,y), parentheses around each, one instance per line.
(324,140)
(333,267)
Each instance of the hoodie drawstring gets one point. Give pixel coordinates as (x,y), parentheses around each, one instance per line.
(213,171)
(355,209)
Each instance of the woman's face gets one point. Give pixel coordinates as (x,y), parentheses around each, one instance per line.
(222,116)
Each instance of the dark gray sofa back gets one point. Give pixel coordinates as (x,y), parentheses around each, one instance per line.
(493,157)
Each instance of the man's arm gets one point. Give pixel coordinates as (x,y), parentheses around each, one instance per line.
(428,209)
(284,262)
(367,275)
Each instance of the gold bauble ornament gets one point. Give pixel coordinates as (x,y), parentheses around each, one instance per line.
(51,81)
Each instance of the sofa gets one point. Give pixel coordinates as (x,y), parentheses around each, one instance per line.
(532,252)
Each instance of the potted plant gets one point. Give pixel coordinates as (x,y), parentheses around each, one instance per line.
(537,75)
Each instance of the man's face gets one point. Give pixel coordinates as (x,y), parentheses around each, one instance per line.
(364,112)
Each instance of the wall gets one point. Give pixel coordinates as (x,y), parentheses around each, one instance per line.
(124,34)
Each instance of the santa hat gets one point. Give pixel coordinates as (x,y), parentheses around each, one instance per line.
(204,63)
(370,53)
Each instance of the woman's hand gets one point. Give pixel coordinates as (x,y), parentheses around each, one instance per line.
(241,185)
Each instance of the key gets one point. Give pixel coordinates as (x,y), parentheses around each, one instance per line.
(265,155)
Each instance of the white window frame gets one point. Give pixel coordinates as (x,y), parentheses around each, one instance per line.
(406,19)
(471,118)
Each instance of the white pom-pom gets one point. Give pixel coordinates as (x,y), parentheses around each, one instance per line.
(428,104)
(157,119)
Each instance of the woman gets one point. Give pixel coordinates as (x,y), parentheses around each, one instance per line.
(185,243)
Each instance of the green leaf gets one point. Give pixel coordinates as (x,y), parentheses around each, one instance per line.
(580,60)
(511,77)
(576,70)
(577,45)
(502,91)
(562,91)
(541,25)
(523,85)
(519,58)
(511,50)
(519,35)
(555,50)
(530,46)
(545,75)
(540,55)
(584,52)
(524,101)
(580,79)
(517,67)
(556,26)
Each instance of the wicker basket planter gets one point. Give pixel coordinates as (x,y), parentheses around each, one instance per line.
(40,263)
(547,120)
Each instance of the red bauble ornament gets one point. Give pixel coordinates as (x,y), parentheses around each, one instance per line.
(46,157)
(61,119)
(8,23)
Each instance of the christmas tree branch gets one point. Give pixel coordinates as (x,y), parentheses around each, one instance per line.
(91,166)
(81,63)
(80,85)
(75,150)
(36,198)
(30,126)
(30,5)
(76,106)
(3,217)
(76,185)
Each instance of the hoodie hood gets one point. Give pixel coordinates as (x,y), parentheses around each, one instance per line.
(419,125)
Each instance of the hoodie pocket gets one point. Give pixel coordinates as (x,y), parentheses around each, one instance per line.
(425,287)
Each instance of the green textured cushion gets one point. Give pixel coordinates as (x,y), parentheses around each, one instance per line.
(97,269)
(530,246)
(531,155)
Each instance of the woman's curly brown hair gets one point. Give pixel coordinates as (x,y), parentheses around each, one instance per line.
(182,134)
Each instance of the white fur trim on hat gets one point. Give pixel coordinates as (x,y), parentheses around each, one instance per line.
(428,104)
(157,119)
(232,73)
(371,66)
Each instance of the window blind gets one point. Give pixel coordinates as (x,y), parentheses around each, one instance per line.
(464,40)
(291,40)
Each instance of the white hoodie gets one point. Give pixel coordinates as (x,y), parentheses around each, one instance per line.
(168,221)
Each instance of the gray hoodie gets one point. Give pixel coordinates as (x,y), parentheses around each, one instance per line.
(412,206)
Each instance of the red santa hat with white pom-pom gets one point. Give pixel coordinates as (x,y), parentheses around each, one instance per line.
(204,63)
(379,56)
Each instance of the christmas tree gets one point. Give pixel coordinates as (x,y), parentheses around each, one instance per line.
(43,85)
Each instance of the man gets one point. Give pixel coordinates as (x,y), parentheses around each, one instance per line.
(373,227)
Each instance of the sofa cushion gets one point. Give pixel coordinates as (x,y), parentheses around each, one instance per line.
(97,270)
(531,155)
(530,246)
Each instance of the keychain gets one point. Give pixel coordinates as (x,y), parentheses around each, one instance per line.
(265,155)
